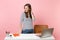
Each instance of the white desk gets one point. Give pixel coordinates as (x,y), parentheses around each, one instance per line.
(28,37)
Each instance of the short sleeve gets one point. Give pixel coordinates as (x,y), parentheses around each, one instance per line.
(22,17)
(33,17)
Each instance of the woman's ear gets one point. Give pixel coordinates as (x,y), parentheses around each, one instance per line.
(29,9)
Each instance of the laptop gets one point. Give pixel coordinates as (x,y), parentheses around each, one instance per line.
(47,32)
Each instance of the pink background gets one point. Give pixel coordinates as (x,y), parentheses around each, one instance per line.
(45,11)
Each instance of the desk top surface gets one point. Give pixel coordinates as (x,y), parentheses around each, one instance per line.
(28,36)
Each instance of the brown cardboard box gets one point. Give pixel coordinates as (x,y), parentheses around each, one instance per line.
(39,28)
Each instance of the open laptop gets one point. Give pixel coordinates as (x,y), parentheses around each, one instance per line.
(47,32)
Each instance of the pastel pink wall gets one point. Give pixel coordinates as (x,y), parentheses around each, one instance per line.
(45,11)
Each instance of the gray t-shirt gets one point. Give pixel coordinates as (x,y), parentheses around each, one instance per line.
(27,23)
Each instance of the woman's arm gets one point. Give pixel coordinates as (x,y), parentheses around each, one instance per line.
(21,19)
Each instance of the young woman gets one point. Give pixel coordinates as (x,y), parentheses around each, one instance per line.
(27,19)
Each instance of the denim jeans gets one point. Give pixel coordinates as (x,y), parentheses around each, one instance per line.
(26,31)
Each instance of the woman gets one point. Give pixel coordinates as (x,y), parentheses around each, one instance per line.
(27,19)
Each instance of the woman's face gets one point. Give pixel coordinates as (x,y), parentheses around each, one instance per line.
(26,9)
